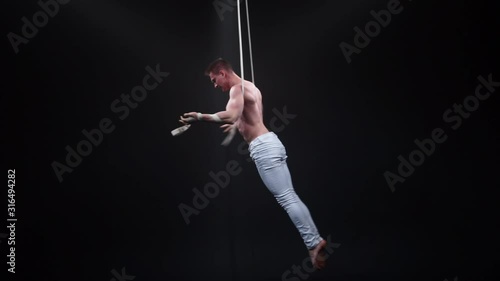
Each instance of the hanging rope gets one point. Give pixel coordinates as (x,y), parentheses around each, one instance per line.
(249,42)
(241,49)
(232,132)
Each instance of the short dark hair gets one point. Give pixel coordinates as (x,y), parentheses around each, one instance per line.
(218,65)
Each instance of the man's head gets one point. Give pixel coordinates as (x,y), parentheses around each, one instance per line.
(221,74)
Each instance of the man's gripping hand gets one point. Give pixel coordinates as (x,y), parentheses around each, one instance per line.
(197,116)
(190,117)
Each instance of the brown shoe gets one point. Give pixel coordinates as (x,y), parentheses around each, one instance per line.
(317,255)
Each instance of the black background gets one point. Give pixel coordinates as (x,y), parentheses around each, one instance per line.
(119,207)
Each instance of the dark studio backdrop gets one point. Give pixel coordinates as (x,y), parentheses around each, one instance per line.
(347,121)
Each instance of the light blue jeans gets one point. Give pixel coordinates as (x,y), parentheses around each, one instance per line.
(269,155)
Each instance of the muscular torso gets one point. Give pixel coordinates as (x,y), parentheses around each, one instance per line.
(251,125)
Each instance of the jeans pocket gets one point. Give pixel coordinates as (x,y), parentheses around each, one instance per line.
(283,154)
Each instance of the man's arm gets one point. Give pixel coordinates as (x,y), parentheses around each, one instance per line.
(233,111)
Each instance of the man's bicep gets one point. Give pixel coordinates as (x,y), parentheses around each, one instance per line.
(236,102)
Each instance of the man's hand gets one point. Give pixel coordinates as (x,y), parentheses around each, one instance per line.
(227,127)
(231,130)
(189,117)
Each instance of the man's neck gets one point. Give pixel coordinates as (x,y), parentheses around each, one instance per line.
(235,80)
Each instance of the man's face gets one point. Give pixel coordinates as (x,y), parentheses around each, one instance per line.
(219,80)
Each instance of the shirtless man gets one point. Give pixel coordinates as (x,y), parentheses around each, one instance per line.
(244,112)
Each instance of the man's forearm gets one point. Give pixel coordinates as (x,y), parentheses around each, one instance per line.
(219,117)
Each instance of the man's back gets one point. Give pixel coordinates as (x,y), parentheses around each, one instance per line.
(251,125)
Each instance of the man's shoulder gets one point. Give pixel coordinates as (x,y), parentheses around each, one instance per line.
(250,91)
